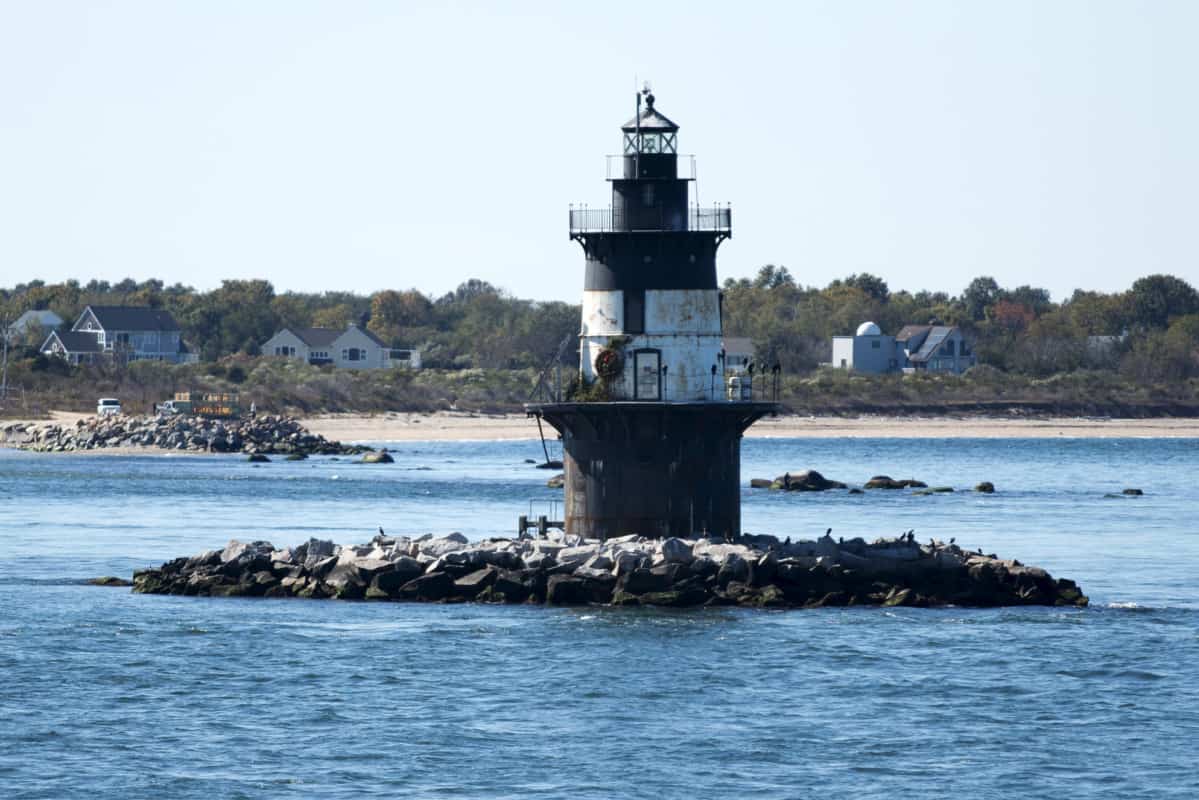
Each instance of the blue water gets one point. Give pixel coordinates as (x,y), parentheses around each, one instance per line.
(106,693)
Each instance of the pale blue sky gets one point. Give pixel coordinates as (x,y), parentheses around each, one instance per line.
(368,145)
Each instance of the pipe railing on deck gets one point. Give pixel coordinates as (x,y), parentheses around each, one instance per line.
(716,219)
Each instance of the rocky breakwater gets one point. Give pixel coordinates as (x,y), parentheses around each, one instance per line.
(759,571)
(262,434)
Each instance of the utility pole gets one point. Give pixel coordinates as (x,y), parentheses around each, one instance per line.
(4,369)
(5,334)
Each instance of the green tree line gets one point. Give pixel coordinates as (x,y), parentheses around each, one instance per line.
(475,326)
(1148,333)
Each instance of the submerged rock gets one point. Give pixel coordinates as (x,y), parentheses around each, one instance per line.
(887,482)
(986,487)
(808,480)
(110,580)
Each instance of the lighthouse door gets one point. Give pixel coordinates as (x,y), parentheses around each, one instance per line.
(646,365)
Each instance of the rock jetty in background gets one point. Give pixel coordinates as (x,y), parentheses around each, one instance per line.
(262,434)
(809,480)
(759,571)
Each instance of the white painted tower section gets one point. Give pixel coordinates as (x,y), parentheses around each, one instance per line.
(681,333)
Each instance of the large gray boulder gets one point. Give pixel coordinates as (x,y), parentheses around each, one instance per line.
(599,561)
(640,581)
(357,570)
(431,587)
(734,568)
(676,551)
(471,584)
(566,590)
(389,582)
(443,545)
(236,551)
(576,555)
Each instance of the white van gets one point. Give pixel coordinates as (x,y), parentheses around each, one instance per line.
(108,406)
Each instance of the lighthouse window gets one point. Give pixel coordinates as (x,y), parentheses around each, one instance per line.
(651,143)
(634,311)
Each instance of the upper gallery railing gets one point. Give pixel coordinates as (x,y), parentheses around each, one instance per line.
(715,219)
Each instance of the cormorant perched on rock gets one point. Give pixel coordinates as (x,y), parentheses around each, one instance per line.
(381,531)
(840,539)
(829,532)
(952,539)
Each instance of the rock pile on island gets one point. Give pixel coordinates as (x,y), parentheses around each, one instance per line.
(263,434)
(758,571)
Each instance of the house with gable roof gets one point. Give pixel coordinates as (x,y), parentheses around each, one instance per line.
(354,348)
(916,348)
(132,333)
(43,319)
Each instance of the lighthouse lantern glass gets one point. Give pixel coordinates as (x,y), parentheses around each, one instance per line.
(651,143)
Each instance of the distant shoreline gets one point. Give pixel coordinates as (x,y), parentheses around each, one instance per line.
(451,426)
(461,426)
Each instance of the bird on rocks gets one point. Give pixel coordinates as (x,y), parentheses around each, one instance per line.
(381,530)
(952,539)
(829,532)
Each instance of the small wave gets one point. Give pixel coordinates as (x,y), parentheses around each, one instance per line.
(1084,673)
(1130,606)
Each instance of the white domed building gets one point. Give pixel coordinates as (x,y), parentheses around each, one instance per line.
(869,329)
(868,350)
(936,348)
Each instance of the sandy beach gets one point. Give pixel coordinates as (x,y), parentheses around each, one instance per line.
(444,426)
(466,426)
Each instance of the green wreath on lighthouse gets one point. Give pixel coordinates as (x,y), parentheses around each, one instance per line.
(608,364)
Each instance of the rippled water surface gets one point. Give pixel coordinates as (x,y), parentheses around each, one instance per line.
(105,693)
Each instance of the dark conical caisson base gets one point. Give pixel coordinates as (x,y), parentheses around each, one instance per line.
(656,469)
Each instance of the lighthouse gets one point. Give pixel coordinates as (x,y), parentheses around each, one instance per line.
(651,428)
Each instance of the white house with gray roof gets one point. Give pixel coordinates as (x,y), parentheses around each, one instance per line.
(916,348)
(353,348)
(132,333)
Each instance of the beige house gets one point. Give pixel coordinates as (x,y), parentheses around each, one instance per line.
(353,348)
